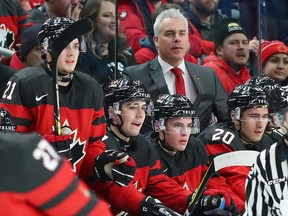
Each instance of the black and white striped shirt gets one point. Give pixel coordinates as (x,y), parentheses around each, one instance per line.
(267,186)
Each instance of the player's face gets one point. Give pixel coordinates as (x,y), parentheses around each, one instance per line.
(68,58)
(33,58)
(276,67)
(253,124)
(133,114)
(234,50)
(177,133)
(106,24)
(207,7)
(173,41)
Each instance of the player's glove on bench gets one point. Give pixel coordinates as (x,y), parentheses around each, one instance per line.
(217,203)
(150,206)
(115,165)
(61,143)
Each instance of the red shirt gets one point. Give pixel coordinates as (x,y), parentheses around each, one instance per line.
(227,75)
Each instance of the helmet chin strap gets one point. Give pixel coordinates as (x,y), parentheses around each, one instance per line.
(119,127)
(165,147)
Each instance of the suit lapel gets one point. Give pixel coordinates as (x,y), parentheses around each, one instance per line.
(196,76)
(158,77)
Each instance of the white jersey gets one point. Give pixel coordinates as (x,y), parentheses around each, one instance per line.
(266,186)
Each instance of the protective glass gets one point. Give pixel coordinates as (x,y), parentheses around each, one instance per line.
(178,128)
(148,109)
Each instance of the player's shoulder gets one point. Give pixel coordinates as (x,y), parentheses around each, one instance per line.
(218,133)
(30,74)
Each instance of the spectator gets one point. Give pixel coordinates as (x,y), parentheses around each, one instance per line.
(29,98)
(275,61)
(266,183)
(183,156)
(29,54)
(40,172)
(203,14)
(247,105)
(99,59)
(171,39)
(126,104)
(13,21)
(60,8)
(230,55)
(135,17)
(27,5)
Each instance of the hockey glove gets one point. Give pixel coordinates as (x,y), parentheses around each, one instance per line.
(115,165)
(150,206)
(61,143)
(216,202)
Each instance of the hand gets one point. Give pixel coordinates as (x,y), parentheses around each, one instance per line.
(150,206)
(115,165)
(61,143)
(216,202)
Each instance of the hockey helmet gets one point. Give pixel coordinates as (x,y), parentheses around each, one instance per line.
(266,83)
(51,29)
(246,96)
(170,106)
(121,90)
(278,105)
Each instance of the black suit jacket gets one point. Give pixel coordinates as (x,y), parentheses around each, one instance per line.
(211,97)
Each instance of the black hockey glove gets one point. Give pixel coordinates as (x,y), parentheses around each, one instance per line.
(61,143)
(150,206)
(115,165)
(217,203)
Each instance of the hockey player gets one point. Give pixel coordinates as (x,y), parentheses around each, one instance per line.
(29,99)
(247,105)
(126,104)
(183,156)
(266,188)
(34,184)
(267,84)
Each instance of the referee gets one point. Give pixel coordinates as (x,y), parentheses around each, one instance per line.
(266,186)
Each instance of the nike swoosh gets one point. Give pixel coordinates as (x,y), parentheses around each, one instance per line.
(165,170)
(39,98)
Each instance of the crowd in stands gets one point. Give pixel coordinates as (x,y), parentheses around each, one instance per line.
(140,96)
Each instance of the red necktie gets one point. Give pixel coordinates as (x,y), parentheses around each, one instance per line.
(180,86)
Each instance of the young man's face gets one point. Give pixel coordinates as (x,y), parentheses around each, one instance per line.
(133,114)
(67,60)
(177,133)
(173,41)
(276,67)
(253,124)
(234,50)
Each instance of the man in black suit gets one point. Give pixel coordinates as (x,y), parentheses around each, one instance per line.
(202,86)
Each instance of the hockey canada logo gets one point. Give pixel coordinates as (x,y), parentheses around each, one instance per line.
(6,37)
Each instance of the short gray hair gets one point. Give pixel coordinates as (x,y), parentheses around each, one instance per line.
(170,13)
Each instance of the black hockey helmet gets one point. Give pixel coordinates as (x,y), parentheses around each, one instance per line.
(278,105)
(278,100)
(170,106)
(121,90)
(51,29)
(266,83)
(247,96)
